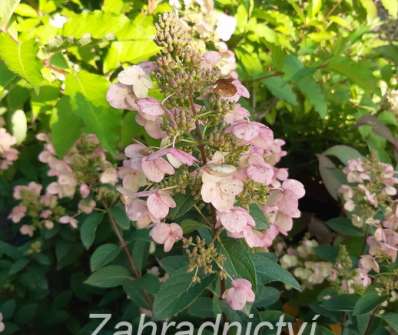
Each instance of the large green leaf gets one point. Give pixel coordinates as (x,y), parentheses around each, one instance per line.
(109,276)
(392,320)
(103,255)
(344,302)
(7,7)
(391,6)
(295,71)
(367,302)
(88,92)
(238,262)
(178,293)
(359,72)
(332,176)
(343,152)
(20,58)
(129,51)
(281,89)
(271,271)
(95,24)
(89,228)
(65,119)
(370,8)
(344,227)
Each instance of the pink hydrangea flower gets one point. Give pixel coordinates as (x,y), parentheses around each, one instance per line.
(136,77)
(87,206)
(252,133)
(26,230)
(368,263)
(236,220)
(155,169)
(175,156)
(258,170)
(84,190)
(239,294)
(166,234)
(237,114)
(17,213)
(152,127)
(7,153)
(220,187)
(121,96)
(137,210)
(282,204)
(68,220)
(150,109)
(109,176)
(159,203)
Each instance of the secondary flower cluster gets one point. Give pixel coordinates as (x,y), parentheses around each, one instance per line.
(8,154)
(78,174)
(369,198)
(307,267)
(209,149)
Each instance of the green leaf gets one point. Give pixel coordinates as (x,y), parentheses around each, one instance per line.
(271,271)
(95,24)
(129,51)
(183,204)
(188,226)
(120,216)
(344,303)
(88,93)
(103,255)
(370,8)
(65,119)
(109,276)
(316,6)
(388,51)
(358,72)
(146,284)
(266,296)
(367,302)
(7,7)
(392,320)
(104,122)
(19,125)
(178,293)
(343,152)
(20,58)
(281,89)
(172,263)
(391,6)
(89,228)
(238,262)
(259,217)
(302,77)
(344,227)
(332,177)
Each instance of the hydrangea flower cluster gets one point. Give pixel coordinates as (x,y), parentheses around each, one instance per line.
(304,263)
(209,149)
(8,154)
(369,198)
(77,175)
(305,266)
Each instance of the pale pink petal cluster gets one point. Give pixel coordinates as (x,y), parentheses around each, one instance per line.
(8,154)
(239,294)
(220,186)
(166,234)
